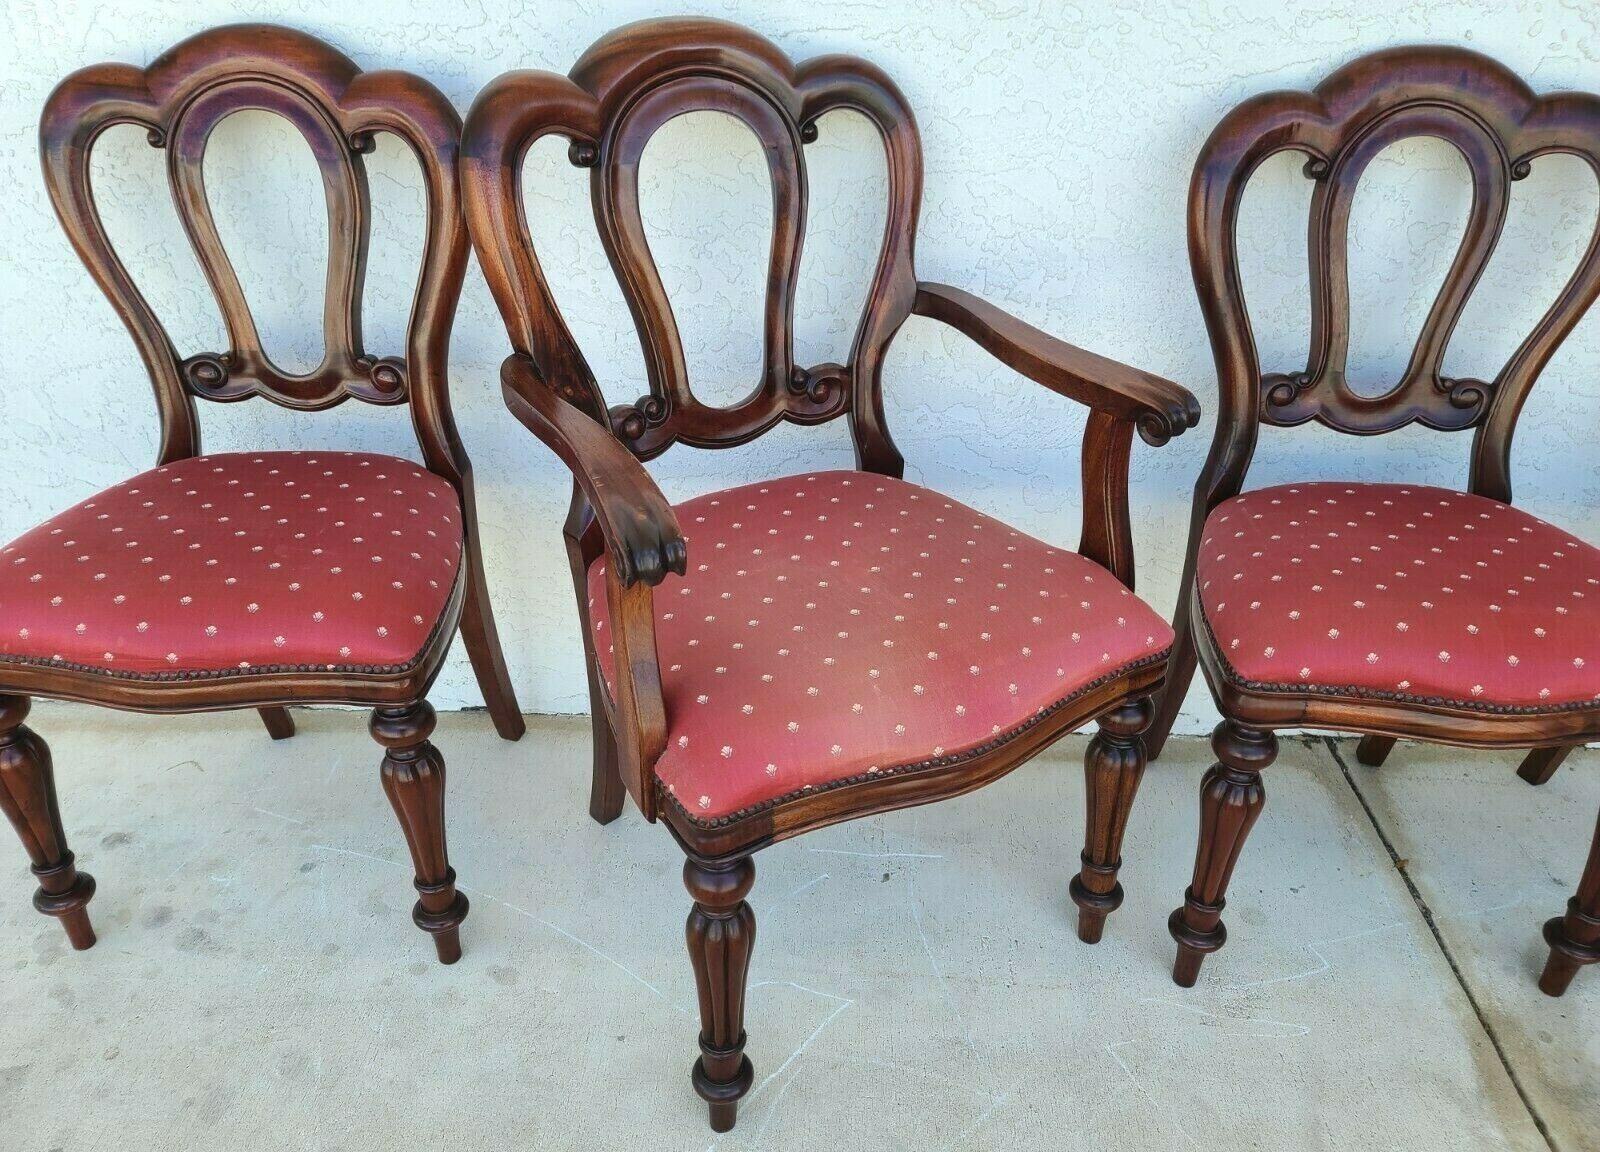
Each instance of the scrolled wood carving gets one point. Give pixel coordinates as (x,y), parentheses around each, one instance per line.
(608,108)
(1500,127)
(338,109)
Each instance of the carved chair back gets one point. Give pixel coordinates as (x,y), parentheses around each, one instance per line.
(617,96)
(1499,126)
(180,99)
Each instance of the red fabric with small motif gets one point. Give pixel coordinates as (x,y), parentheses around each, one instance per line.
(845,624)
(238,561)
(1402,590)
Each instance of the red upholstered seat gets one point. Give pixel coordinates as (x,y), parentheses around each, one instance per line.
(844,624)
(1408,592)
(247,562)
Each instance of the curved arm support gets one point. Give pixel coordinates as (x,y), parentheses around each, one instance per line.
(640,530)
(1159,408)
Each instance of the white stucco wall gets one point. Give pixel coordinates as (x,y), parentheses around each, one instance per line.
(1058,142)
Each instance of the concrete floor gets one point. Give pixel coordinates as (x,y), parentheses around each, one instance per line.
(916,981)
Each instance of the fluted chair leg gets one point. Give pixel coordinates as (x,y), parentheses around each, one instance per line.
(413,779)
(28,798)
(1112,768)
(1231,797)
(721,932)
(1574,939)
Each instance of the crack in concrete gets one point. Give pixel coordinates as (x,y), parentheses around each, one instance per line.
(1444,948)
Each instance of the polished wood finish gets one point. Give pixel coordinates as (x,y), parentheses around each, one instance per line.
(339,110)
(721,932)
(178,100)
(622,90)
(1574,939)
(1501,128)
(1374,750)
(28,798)
(1541,763)
(1113,765)
(413,778)
(1231,796)
(280,725)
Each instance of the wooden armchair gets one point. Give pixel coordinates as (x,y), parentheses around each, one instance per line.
(259,580)
(1390,610)
(783,656)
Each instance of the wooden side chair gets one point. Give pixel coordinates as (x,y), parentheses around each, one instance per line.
(783,656)
(1391,610)
(267,579)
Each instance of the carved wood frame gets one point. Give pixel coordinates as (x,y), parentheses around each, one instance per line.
(622,89)
(1500,127)
(338,109)
(620,92)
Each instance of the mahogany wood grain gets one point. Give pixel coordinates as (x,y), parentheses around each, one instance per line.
(339,109)
(280,725)
(1500,128)
(413,778)
(1574,939)
(1159,408)
(1231,797)
(1113,765)
(1541,763)
(620,92)
(721,932)
(1374,750)
(28,798)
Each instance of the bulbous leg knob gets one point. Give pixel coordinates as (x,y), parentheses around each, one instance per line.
(1231,797)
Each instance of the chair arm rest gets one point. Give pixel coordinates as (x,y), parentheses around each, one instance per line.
(640,530)
(1159,408)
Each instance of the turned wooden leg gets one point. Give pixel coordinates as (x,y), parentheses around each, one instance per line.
(1230,800)
(1541,763)
(280,725)
(1574,939)
(1112,768)
(1374,750)
(482,639)
(721,933)
(413,779)
(28,798)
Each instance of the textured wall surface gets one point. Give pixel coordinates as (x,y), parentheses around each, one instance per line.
(1058,141)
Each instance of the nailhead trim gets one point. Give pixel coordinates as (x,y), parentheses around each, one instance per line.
(921,765)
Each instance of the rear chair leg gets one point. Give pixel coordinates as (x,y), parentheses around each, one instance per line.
(1180,672)
(413,779)
(721,933)
(1374,750)
(1231,797)
(28,798)
(606,791)
(1541,763)
(1112,768)
(1574,939)
(482,640)
(280,725)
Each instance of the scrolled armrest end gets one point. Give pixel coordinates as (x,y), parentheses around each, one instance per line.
(1176,414)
